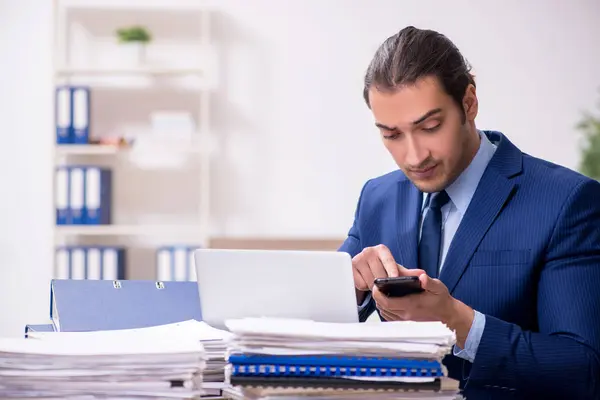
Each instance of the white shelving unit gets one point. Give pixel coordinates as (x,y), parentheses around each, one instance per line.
(170,81)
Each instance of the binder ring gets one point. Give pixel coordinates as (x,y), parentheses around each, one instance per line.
(117,284)
(160,285)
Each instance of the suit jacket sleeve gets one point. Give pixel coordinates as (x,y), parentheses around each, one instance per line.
(352,245)
(563,358)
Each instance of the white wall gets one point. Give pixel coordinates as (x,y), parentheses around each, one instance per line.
(297,140)
(535,61)
(25,151)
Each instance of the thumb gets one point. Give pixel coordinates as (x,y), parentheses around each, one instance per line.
(429,284)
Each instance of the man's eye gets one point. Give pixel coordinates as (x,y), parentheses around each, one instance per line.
(432,128)
(391,136)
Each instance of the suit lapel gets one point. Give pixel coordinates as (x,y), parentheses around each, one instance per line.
(489,198)
(493,192)
(408,213)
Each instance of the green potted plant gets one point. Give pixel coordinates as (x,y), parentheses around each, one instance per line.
(132,43)
(590,148)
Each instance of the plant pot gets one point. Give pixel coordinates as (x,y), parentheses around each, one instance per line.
(131,54)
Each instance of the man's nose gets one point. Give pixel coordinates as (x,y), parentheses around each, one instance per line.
(416,154)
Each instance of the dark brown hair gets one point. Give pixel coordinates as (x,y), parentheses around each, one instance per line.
(414,53)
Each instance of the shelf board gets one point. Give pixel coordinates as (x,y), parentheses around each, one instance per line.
(137,71)
(88,149)
(125,230)
(140,5)
(62,150)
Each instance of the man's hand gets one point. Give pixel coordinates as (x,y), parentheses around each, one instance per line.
(434,304)
(376,262)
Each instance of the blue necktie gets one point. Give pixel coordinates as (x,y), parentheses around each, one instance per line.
(431,234)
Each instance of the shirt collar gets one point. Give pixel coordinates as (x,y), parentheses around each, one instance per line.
(463,188)
(461,191)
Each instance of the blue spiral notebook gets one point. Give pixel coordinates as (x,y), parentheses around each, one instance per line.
(332,366)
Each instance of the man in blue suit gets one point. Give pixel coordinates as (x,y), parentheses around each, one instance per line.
(506,246)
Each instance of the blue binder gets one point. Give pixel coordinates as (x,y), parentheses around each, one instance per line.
(81,114)
(90,262)
(106,262)
(63,114)
(92,305)
(62,195)
(98,196)
(176,263)
(76,194)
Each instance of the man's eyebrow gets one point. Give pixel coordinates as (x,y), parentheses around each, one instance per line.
(415,122)
(427,115)
(384,127)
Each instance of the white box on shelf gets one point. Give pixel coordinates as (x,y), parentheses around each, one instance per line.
(176,123)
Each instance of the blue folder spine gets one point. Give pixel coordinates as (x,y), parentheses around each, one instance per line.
(114,263)
(90,262)
(62,195)
(98,196)
(176,263)
(81,114)
(63,114)
(76,194)
(62,262)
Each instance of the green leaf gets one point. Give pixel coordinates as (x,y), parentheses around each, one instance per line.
(133,34)
(589,126)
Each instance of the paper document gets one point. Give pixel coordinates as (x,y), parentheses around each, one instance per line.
(290,358)
(163,362)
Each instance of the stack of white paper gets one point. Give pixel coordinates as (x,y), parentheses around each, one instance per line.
(431,340)
(286,358)
(215,342)
(164,362)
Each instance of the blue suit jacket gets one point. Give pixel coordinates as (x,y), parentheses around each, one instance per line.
(527,255)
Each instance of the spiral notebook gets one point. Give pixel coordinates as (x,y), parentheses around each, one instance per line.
(333,366)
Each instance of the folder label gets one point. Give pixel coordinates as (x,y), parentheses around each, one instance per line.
(181,265)
(163,263)
(110,267)
(62,264)
(94,267)
(78,264)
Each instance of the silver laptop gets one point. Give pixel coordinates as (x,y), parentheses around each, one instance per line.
(316,285)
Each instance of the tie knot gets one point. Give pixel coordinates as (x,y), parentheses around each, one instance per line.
(439,200)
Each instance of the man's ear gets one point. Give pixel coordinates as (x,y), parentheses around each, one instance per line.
(470,103)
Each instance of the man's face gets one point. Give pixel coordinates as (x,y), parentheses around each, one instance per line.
(422,128)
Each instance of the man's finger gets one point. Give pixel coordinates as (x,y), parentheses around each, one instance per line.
(377,268)
(387,259)
(430,285)
(359,281)
(377,295)
(388,316)
(411,272)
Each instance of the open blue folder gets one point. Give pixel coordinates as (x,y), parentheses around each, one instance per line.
(93,305)
(38,328)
